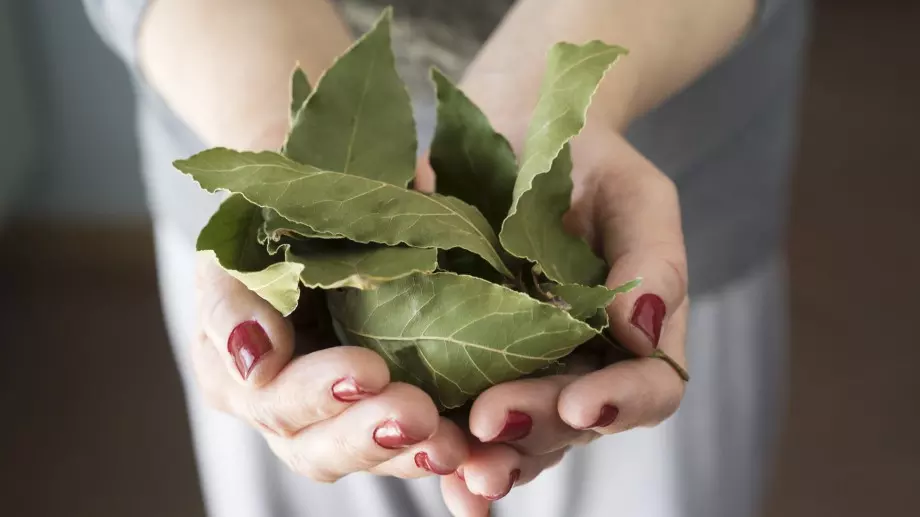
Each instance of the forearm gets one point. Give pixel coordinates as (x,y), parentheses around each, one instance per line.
(224,66)
(671,43)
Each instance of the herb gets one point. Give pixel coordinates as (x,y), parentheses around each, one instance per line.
(460,290)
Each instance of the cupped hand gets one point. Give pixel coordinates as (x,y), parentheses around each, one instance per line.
(629,212)
(326,414)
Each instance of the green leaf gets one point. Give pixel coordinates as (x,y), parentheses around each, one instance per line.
(533,228)
(230,237)
(453,335)
(589,303)
(300,91)
(471,161)
(334,263)
(359,118)
(359,209)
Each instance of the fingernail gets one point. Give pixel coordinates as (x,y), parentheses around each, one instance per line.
(607,416)
(459,474)
(515,474)
(247,344)
(347,390)
(517,426)
(648,313)
(390,435)
(423,461)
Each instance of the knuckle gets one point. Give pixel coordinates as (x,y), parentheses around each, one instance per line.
(213,305)
(679,270)
(347,449)
(271,421)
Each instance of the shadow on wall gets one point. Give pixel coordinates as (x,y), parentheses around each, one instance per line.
(85,165)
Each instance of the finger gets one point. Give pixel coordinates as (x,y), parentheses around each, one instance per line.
(524,413)
(633,211)
(440,455)
(460,501)
(368,433)
(638,392)
(254,340)
(492,470)
(313,388)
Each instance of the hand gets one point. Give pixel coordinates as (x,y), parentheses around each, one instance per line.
(326,414)
(628,211)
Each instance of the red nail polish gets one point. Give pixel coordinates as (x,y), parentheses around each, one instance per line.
(390,435)
(423,461)
(606,417)
(247,344)
(515,474)
(347,390)
(517,426)
(647,316)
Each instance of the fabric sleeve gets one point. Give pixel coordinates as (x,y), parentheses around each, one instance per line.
(117,22)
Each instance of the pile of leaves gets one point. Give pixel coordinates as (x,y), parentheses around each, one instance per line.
(458,291)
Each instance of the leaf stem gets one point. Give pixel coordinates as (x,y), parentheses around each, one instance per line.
(657,354)
(681,371)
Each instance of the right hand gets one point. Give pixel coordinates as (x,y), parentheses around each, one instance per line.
(325,414)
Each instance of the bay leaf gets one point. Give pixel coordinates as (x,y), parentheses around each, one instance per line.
(300,91)
(230,238)
(455,335)
(357,208)
(533,229)
(470,159)
(358,120)
(335,263)
(589,303)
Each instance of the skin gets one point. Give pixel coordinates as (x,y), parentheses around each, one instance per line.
(227,77)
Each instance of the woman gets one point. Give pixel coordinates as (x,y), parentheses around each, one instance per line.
(704,103)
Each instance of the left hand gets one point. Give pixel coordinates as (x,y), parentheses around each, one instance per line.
(628,211)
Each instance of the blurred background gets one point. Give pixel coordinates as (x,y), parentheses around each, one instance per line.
(92,420)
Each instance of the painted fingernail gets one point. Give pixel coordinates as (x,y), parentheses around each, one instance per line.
(390,435)
(648,313)
(515,474)
(423,461)
(607,416)
(347,390)
(247,344)
(517,426)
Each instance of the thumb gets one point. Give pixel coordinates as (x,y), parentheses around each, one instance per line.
(253,339)
(636,218)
